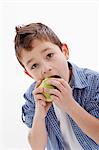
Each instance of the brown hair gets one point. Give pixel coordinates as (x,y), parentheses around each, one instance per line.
(25,35)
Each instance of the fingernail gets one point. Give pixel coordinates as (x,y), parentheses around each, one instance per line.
(49,81)
(39,80)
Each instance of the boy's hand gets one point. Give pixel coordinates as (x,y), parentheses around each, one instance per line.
(62,96)
(42,106)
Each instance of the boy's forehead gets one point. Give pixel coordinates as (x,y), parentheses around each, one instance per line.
(41,44)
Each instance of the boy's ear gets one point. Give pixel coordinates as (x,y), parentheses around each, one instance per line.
(27,73)
(65,50)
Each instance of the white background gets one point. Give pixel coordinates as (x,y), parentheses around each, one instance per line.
(75,22)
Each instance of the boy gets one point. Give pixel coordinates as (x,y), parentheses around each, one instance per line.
(71,120)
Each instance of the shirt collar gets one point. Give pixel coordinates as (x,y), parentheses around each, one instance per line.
(78,78)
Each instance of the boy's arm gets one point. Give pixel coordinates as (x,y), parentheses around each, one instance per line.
(33,115)
(88,123)
(38,134)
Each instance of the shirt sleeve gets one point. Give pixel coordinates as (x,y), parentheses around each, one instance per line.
(92,106)
(28,109)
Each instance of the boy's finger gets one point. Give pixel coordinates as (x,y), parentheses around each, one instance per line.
(43,103)
(38,83)
(37,91)
(40,96)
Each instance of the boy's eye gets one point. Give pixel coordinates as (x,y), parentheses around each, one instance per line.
(34,66)
(50,55)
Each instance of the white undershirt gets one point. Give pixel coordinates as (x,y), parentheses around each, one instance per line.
(66,130)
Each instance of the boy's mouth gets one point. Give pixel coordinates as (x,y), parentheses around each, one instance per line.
(55,76)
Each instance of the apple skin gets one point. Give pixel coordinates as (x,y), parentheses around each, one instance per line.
(44,84)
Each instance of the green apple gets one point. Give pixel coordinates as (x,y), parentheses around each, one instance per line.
(44,84)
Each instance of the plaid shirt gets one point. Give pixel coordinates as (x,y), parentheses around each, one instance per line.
(85,89)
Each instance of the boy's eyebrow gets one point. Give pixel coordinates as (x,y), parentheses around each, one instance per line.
(42,51)
(29,61)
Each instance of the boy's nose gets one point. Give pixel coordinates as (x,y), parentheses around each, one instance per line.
(46,70)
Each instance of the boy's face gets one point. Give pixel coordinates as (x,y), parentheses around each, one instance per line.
(46,59)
